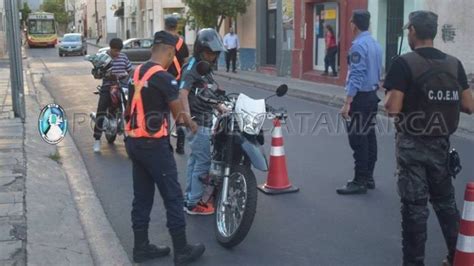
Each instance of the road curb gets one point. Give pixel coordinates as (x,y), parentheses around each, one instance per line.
(104,244)
(325,98)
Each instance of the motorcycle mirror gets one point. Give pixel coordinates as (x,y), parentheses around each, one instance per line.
(203,68)
(282,90)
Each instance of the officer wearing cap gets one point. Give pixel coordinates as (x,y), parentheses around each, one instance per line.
(361,103)
(426,91)
(153,94)
(182,53)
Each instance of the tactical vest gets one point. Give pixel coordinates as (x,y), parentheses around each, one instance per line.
(136,126)
(177,65)
(432,104)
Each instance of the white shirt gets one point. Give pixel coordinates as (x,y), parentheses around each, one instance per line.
(231,41)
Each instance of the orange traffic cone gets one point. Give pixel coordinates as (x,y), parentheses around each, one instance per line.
(277,180)
(465,245)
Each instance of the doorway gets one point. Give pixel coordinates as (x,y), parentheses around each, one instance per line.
(271,37)
(394,29)
(324,14)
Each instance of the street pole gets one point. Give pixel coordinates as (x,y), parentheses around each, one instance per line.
(16,67)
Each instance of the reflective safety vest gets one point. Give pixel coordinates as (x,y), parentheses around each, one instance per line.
(179,44)
(137,111)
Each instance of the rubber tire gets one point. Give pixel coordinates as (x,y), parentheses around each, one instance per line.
(110,138)
(250,209)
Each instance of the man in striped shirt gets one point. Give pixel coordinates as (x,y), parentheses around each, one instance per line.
(119,71)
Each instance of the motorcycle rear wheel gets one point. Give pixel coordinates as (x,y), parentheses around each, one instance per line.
(233,222)
(111,130)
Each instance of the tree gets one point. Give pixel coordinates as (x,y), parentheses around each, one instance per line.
(211,13)
(58,8)
(25,11)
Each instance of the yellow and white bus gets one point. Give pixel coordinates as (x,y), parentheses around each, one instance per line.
(41,30)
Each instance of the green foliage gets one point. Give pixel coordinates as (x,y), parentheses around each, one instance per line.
(206,13)
(58,8)
(25,11)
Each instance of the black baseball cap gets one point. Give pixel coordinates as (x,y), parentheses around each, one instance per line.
(423,21)
(361,18)
(163,37)
(171,22)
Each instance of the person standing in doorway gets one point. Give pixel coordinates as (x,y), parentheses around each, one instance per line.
(331,51)
(361,104)
(232,44)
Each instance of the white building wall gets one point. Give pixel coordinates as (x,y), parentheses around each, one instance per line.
(455,17)
(111,26)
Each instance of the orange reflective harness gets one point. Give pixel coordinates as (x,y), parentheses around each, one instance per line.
(179,44)
(137,109)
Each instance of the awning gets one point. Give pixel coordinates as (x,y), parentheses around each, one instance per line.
(119,12)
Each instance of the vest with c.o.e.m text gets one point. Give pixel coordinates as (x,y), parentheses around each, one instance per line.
(432,104)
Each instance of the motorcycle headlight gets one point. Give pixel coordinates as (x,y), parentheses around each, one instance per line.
(252,124)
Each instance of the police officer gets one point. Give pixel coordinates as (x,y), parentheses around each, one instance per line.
(152,94)
(426,90)
(182,53)
(360,106)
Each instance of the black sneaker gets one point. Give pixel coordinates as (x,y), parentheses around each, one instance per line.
(352,188)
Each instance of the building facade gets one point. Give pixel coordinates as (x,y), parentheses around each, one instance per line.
(455,32)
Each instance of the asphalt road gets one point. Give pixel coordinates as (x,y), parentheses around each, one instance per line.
(313,227)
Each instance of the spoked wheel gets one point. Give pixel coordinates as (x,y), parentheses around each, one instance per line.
(111,129)
(234,217)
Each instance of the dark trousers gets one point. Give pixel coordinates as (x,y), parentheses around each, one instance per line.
(362,138)
(231,55)
(330,60)
(423,174)
(154,164)
(104,103)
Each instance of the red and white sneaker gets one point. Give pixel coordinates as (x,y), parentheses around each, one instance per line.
(201,209)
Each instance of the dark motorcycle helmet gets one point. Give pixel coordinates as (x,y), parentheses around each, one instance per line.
(208,39)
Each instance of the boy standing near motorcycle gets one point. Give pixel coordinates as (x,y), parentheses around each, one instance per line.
(119,71)
(207,47)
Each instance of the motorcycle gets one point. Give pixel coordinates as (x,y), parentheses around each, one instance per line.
(114,119)
(237,141)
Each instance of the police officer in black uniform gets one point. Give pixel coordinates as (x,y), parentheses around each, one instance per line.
(426,91)
(152,94)
(182,53)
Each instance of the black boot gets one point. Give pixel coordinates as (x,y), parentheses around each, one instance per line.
(183,252)
(352,187)
(371,183)
(144,251)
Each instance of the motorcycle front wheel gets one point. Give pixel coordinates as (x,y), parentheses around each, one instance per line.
(235,217)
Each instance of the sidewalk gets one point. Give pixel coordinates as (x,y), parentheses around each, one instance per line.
(12,179)
(323,93)
(101,44)
(49,213)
